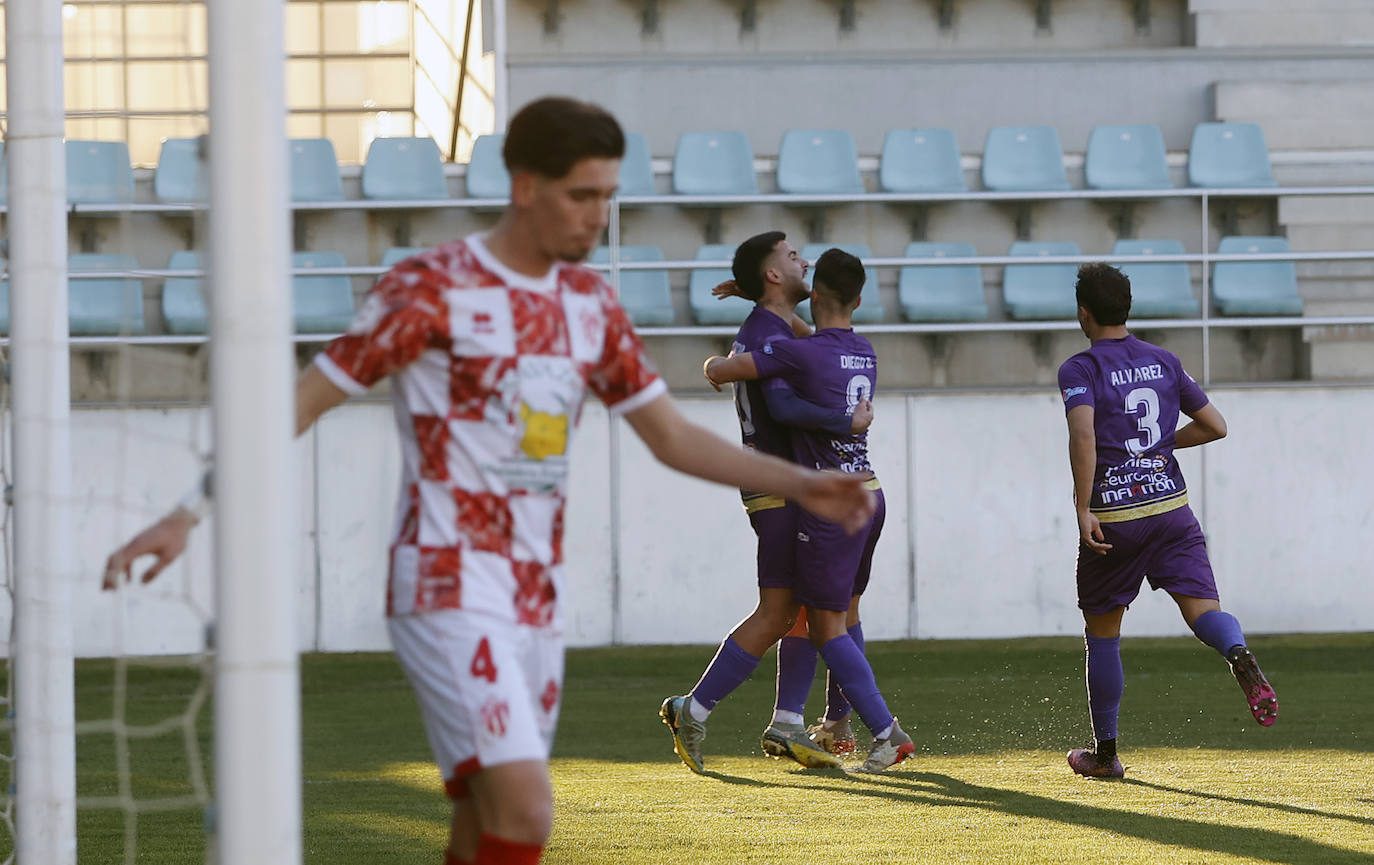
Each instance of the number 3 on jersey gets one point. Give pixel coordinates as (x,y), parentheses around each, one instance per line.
(1144,403)
(483,667)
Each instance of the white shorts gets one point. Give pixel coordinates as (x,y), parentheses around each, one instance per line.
(489,690)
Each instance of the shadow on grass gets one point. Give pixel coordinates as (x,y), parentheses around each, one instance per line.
(1254,803)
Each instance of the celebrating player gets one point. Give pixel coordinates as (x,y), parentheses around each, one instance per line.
(1123,397)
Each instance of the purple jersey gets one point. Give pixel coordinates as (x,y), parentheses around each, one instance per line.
(758,429)
(1137,391)
(834,368)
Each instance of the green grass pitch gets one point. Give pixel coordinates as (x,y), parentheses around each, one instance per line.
(988,784)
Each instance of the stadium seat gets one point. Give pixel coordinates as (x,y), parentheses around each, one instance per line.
(397,254)
(637,168)
(1230,155)
(1023,159)
(1255,287)
(323,304)
(818,162)
(941,292)
(183,299)
(1163,290)
(98,172)
(314,170)
(714,163)
(920,160)
(706,309)
(1040,291)
(182,176)
(106,306)
(487,176)
(645,294)
(404,169)
(871,309)
(4,176)
(1126,157)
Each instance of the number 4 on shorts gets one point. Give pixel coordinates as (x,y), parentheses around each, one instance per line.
(482,665)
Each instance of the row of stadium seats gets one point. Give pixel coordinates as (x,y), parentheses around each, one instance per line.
(810,162)
(934,293)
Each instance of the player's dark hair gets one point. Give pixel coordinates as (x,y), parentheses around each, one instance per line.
(549,136)
(747,266)
(1104,291)
(840,276)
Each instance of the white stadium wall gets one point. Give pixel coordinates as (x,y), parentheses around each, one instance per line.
(979,539)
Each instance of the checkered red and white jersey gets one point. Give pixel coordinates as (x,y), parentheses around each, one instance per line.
(490,368)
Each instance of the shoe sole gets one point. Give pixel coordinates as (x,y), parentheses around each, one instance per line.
(1259,694)
(779,746)
(679,747)
(903,751)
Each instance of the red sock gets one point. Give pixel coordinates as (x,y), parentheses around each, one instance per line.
(451,858)
(492,850)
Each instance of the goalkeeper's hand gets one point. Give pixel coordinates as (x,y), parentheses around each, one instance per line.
(165,539)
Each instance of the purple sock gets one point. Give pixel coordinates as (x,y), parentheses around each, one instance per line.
(796,672)
(836,704)
(850,668)
(1106,681)
(728,670)
(1220,630)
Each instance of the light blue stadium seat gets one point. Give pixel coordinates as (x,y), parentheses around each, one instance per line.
(942,292)
(98,172)
(920,160)
(871,309)
(1126,157)
(487,176)
(714,163)
(1023,159)
(637,168)
(314,170)
(407,169)
(183,297)
(323,304)
(818,162)
(182,176)
(1229,155)
(706,309)
(1255,287)
(107,306)
(1040,291)
(396,254)
(645,294)
(1162,290)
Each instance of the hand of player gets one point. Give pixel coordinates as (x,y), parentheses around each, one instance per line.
(862,418)
(728,288)
(1090,533)
(840,497)
(165,539)
(706,372)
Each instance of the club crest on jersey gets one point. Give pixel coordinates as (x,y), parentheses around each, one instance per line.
(1071,392)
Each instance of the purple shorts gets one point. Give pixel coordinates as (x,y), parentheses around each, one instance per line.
(776,529)
(832,566)
(1168,549)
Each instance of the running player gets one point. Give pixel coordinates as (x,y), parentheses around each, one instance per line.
(834,368)
(1123,397)
(491,343)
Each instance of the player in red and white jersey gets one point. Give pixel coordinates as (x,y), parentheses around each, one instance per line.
(491,344)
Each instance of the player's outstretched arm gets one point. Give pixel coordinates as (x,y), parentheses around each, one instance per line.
(696,451)
(737,367)
(1083,462)
(1207,426)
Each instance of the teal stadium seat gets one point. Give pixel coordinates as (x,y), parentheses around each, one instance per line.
(98,172)
(818,162)
(645,294)
(637,168)
(1040,291)
(487,176)
(106,306)
(323,304)
(871,309)
(941,292)
(706,309)
(921,160)
(714,163)
(1126,157)
(404,169)
(1255,287)
(182,176)
(1023,159)
(314,170)
(183,297)
(397,254)
(1229,155)
(1163,290)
